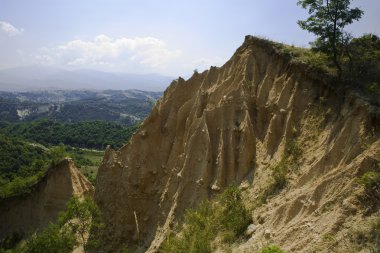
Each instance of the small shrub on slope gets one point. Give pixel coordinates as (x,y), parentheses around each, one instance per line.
(369,238)
(233,216)
(72,229)
(272,249)
(227,216)
(371,183)
(195,234)
(280,171)
(52,240)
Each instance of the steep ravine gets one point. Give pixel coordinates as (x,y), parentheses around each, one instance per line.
(229,125)
(34,211)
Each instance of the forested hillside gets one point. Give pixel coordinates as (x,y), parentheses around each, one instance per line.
(27,149)
(88,134)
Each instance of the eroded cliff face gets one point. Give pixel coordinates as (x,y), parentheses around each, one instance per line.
(229,125)
(34,211)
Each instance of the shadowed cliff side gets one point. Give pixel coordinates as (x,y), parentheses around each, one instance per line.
(221,127)
(34,211)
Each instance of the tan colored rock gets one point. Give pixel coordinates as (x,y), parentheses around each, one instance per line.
(47,198)
(230,124)
(250,230)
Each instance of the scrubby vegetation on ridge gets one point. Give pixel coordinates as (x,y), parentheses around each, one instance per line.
(360,62)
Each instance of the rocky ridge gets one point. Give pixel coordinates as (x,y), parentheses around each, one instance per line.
(230,125)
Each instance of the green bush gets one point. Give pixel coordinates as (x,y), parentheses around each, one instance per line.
(226,216)
(71,229)
(57,154)
(54,239)
(232,214)
(369,239)
(374,87)
(371,183)
(279,181)
(293,150)
(82,217)
(279,173)
(362,61)
(370,180)
(272,249)
(318,60)
(375,232)
(195,234)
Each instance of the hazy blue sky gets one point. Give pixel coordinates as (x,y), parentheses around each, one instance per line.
(170,37)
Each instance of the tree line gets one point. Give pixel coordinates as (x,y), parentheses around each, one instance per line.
(87,134)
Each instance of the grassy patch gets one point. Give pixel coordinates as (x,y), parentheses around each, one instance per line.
(308,56)
(374,235)
(280,171)
(368,238)
(371,184)
(329,238)
(226,217)
(272,249)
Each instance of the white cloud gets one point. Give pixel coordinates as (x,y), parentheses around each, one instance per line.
(9,29)
(205,63)
(112,54)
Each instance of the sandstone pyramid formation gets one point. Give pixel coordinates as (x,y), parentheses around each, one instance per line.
(34,211)
(229,125)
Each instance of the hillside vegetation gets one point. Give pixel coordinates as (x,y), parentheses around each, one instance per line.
(28,149)
(22,164)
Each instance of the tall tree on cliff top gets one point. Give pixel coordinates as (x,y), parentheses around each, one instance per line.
(327,20)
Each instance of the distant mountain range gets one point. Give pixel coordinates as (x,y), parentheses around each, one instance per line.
(30,78)
(122,106)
